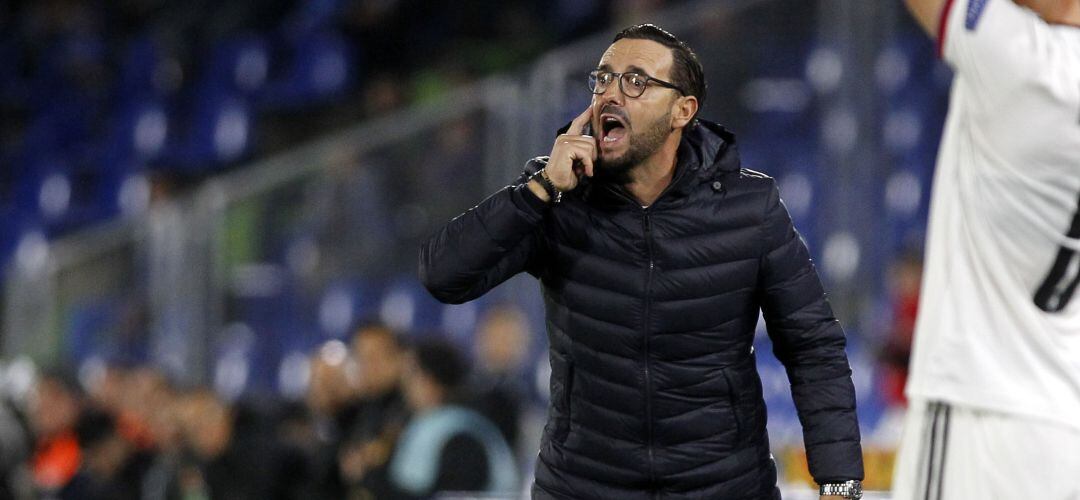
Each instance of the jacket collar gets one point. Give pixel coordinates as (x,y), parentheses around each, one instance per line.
(707,151)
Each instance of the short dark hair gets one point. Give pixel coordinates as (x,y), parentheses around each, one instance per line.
(375,327)
(94,426)
(443,362)
(687,72)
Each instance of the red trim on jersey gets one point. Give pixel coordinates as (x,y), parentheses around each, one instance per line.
(943,26)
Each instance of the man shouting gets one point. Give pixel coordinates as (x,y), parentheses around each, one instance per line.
(656,251)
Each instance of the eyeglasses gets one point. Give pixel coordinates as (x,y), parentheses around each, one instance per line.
(631,84)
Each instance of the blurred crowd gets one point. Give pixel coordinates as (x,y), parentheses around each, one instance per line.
(382,417)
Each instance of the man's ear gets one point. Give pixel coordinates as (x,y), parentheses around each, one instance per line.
(683,110)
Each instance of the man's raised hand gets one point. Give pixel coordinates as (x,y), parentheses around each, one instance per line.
(573,154)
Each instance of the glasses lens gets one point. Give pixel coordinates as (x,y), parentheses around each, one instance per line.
(633,85)
(593,83)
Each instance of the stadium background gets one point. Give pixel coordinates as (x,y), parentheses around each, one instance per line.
(217,189)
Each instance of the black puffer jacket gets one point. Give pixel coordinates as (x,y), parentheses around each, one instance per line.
(651,315)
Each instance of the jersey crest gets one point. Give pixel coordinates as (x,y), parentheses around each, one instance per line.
(974,13)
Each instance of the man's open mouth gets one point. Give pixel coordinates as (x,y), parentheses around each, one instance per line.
(613,129)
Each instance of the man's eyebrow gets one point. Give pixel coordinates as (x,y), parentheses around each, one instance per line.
(631,69)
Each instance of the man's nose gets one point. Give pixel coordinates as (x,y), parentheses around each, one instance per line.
(612,94)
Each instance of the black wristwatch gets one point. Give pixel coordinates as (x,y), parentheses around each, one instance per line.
(549,187)
(851,490)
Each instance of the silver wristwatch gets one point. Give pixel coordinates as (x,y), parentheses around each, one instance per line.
(848,489)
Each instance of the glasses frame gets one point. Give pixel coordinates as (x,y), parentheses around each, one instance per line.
(594,82)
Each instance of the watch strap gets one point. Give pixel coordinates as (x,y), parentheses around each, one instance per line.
(848,489)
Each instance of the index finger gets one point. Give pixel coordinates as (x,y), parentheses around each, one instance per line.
(578,125)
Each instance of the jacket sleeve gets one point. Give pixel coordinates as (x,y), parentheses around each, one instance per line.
(809,341)
(486,245)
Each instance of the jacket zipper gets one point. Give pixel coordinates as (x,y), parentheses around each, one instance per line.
(645,327)
(645,324)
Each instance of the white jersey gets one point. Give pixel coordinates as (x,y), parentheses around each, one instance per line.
(999,324)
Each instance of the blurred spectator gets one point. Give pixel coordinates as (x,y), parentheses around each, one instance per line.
(320,429)
(143,386)
(502,342)
(905,275)
(234,461)
(379,413)
(446,447)
(15,447)
(332,386)
(111,467)
(162,413)
(123,391)
(54,409)
(380,358)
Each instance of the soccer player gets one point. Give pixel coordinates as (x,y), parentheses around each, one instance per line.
(995,374)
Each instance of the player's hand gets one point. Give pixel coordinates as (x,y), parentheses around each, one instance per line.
(573,154)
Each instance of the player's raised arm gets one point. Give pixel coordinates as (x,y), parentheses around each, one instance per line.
(928,13)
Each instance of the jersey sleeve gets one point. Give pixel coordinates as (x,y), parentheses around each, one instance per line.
(993,44)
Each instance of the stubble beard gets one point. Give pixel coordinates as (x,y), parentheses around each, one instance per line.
(642,146)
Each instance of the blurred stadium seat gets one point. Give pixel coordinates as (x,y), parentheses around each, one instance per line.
(146,71)
(238,66)
(316,68)
(345,304)
(215,130)
(136,135)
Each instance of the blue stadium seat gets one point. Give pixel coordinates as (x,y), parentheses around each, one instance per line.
(311,16)
(233,358)
(408,306)
(96,328)
(346,303)
(146,70)
(217,132)
(266,301)
(60,68)
(13,87)
(783,57)
(321,67)
(911,77)
(63,197)
(237,66)
(11,230)
(137,135)
(63,127)
(8,175)
(459,321)
(572,17)
(44,191)
(116,194)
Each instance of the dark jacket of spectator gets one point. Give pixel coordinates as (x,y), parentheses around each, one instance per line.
(446,447)
(452,449)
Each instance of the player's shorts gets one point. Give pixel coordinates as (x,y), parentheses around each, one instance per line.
(952,452)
